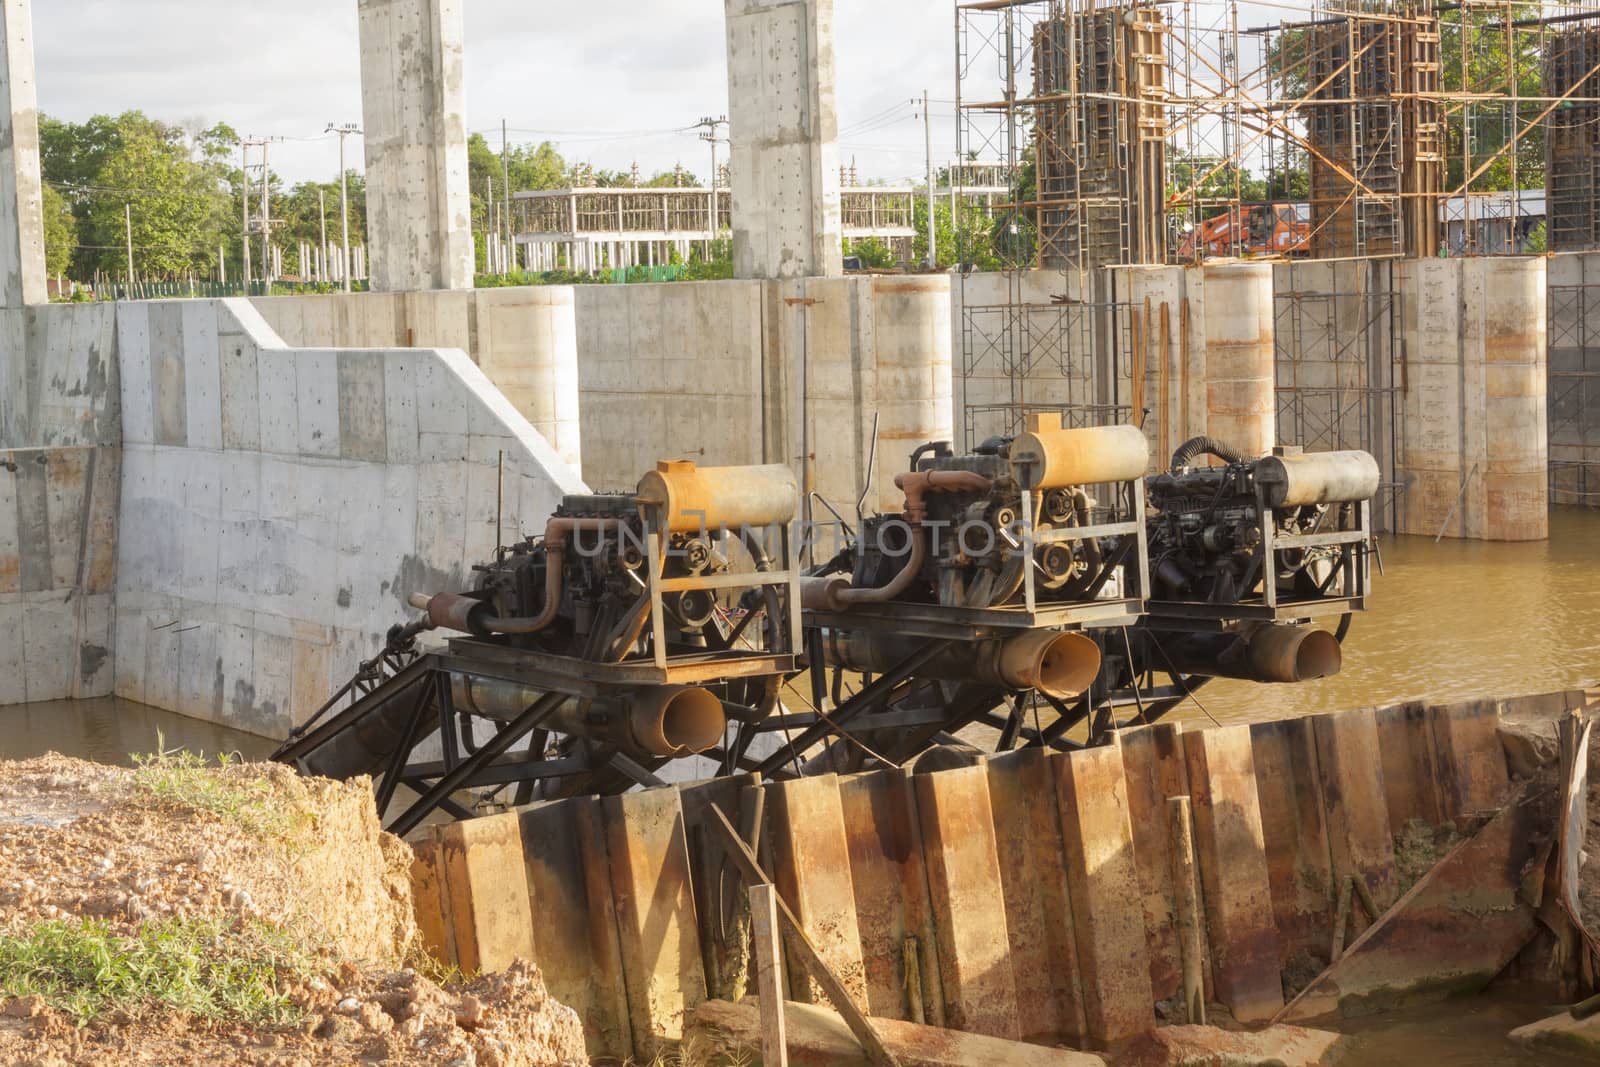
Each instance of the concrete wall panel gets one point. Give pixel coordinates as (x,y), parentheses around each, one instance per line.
(256,573)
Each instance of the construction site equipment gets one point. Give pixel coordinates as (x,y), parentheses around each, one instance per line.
(1251,230)
(622,638)
(1022,597)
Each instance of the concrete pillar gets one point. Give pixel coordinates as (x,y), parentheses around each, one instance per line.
(22,279)
(419,208)
(1240,341)
(1516,433)
(784,127)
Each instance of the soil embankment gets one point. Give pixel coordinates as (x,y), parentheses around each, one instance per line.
(182,915)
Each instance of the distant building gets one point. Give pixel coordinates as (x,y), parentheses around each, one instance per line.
(1491,224)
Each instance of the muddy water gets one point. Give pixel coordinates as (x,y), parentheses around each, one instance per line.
(111,731)
(1452,621)
(1457,1033)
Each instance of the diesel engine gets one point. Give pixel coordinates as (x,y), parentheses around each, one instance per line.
(1261,546)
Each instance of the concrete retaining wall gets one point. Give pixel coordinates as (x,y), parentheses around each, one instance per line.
(279,505)
(766,372)
(1035,891)
(60,459)
(524,339)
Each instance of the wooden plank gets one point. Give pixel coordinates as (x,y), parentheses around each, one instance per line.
(811,862)
(1294,832)
(1103,881)
(1153,761)
(1410,766)
(1472,764)
(1350,769)
(1044,949)
(769,980)
(799,944)
(656,925)
(1245,964)
(575,937)
(486,881)
(891,893)
(963,861)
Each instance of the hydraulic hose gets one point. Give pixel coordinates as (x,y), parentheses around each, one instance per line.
(1205,446)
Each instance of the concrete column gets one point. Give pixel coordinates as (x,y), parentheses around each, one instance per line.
(419,208)
(1240,342)
(784,126)
(22,279)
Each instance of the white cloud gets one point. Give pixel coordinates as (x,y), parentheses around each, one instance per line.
(615,78)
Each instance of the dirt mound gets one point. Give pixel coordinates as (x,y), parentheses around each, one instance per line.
(189,915)
(176,839)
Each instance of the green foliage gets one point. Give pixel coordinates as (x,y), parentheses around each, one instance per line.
(875,254)
(531,167)
(213,968)
(968,240)
(60,232)
(1538,240)
(186,780)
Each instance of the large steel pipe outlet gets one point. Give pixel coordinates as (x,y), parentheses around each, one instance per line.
(1294,654)
(1061,665)
(676,720)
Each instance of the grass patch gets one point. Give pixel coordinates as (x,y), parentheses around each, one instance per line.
(187,780)
(211,968)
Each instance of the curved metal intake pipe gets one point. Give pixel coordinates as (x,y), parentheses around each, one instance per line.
(665,721)
(1270,653)
(455,611)
(1059,664)
(836,594)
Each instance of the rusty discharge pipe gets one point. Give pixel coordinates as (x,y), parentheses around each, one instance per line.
(665,720)
(454,611)
(835,593)
(1058,664)
(1270,653)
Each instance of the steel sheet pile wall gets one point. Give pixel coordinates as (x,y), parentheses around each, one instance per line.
(1031,896)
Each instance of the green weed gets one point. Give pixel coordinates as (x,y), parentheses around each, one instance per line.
(185,779)
(212,968)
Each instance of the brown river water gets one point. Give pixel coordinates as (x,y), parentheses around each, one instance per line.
(1445,622)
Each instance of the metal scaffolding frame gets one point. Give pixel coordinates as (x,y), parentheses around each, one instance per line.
(1574,410)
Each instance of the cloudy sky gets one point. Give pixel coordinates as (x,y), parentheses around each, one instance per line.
(609,80)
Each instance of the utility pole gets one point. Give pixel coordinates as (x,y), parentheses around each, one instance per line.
(490,231)
(266,213)
(933,229)
(244,198)
(128,214)
(505,182)
(344,198)
(322,218)
(710,126)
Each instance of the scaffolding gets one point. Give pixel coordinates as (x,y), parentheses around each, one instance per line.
(1352,131)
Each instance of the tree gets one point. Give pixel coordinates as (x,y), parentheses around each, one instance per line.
(178,212)
(60,233)
(532,167)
